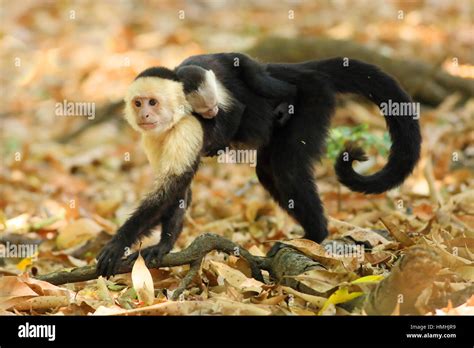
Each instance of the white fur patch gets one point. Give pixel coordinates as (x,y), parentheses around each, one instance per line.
(211,89)
(174,150)
(224,98)
(169,94)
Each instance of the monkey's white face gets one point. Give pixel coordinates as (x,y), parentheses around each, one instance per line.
(153,105)
(205,100)
(204,104)
(150,114)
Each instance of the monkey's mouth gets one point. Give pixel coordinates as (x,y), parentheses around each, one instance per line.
(148,125)
(212,112)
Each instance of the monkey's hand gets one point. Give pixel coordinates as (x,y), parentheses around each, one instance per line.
(110,258)
(153,253)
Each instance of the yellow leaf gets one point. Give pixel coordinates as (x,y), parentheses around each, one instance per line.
(24,263)
(143,282)
(368,279)
(340,296)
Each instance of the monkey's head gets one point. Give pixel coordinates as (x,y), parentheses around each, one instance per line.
(155,101)
(201,89)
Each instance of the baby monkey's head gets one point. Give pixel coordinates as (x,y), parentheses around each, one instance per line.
(201,89)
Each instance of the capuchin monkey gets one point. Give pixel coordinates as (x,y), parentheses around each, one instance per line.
(175,139)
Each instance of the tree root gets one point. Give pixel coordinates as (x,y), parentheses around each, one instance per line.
(188,278)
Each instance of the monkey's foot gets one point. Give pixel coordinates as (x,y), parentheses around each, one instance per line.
(151,254)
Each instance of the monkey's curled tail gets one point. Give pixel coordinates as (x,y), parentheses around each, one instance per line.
(369,81)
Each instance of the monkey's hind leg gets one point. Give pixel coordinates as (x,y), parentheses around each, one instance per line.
(264,172)
(291,183)
(297,192)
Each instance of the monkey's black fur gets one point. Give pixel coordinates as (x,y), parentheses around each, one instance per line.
(167,206)
(162,72)
(286,154)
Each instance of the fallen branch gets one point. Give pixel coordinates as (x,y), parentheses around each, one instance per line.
(285,263)
(188,278)
(194,252)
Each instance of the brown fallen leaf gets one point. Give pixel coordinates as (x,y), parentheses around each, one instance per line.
(397,233)
(15,290)
(375,258)
(359,234)
(77,232)
(236,278)
(315,251)
(322,280)
(315,300)
(42,303)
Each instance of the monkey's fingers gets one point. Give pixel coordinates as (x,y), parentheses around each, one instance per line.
(131,258)
(107,261)
(154,254)
(101,261)
(113,264)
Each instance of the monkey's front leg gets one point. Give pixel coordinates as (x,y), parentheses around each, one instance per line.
(153,210)
(140,223)
(171,227)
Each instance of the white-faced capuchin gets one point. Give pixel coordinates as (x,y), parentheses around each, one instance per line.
(175,139)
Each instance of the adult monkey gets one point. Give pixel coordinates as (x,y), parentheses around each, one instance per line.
(174,141)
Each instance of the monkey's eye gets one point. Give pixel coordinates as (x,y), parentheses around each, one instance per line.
(152,102)
(138,103)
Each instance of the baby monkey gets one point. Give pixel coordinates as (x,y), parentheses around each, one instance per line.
(205,94)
